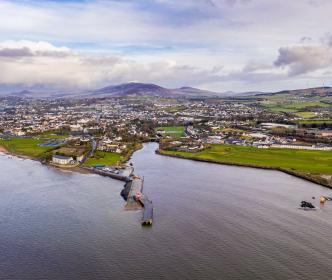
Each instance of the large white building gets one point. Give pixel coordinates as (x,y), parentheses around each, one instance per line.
(62,160)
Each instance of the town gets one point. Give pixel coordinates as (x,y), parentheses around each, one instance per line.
(90,132)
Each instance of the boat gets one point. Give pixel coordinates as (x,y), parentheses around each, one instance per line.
(307,205)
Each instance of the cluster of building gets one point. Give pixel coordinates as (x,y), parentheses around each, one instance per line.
(116,122)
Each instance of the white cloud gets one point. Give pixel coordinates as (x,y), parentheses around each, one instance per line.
(27,48)
(34,63)
(108,42)
(304,59)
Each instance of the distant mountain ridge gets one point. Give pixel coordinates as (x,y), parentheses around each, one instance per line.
(139,89)
(321,91)
(132,89)
(148,89)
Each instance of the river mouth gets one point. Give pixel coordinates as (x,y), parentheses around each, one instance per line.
(210,222)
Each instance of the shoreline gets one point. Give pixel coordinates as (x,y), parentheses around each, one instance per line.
(308,177)
(75,169)
(83,170)
(3,150)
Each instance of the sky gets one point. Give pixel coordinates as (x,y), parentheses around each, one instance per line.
(219,45)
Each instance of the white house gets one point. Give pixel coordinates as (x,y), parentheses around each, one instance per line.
(62,160)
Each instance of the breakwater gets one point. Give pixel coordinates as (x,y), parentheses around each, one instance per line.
(123,174)
(137,199)
(132,191)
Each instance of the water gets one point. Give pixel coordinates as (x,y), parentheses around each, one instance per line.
(211,222)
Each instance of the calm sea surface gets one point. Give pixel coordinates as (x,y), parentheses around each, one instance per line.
(211,222)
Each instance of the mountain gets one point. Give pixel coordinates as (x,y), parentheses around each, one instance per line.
(306,92)
(132,89)
(140,89)
(190,91)
(33,94)
(40,94)
(146,89)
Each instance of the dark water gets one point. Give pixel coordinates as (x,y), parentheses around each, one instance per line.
(211,222)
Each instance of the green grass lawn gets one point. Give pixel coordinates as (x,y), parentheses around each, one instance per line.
(305,115)
(294,107)
(280,108)
(315,162)
(104,158)
(25,146)
(315,121)
(174,108)
(51,135)
(173,131)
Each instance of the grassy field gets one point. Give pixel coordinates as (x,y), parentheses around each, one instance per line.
(315,121)
(104,158)
(24,146)
(173,131)
(314,162)
(305,115)
(52,135)
(174,108)
(231,130)
(294,106)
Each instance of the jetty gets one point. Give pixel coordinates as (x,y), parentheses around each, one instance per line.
(122,174)
(147,212)
(136,199)
(132,191)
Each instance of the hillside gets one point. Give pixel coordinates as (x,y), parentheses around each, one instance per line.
(306,92)
(305,103)
(132,89)
(147,89)
(140,89)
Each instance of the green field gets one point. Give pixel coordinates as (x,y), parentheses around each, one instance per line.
(293,107)
(315,121)
(51,135)
(305,115)
(314,162)
(25,146)
(173,131)
(175,108)
(104,158)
